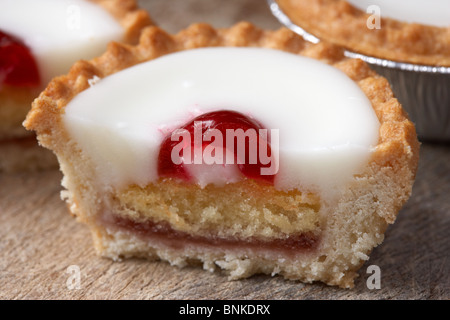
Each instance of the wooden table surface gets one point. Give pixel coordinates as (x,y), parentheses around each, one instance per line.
(41,244)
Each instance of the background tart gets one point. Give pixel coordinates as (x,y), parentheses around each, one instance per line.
(16,97)
(340,235)
(341,23)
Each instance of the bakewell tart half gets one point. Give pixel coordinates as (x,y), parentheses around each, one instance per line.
(240,149)
(416,32)
(40,40)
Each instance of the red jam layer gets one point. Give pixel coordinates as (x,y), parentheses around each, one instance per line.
(17,64)
(163,234)
(222,121)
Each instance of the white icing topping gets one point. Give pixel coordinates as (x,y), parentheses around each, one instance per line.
(433,12)
(326,124)
(59,32)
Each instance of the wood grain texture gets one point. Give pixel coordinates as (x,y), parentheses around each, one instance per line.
(39,240)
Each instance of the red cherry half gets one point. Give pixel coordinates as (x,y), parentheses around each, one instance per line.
(219,120)
(17,64)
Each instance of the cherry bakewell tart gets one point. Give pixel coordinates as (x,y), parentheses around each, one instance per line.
(416,32)
(242,149)
(40,40)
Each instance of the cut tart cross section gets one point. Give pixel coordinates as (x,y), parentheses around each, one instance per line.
(345,153)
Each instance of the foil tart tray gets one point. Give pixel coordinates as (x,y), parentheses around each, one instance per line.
(423,91)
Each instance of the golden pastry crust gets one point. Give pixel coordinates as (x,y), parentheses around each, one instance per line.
(339,22)
(355,226)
